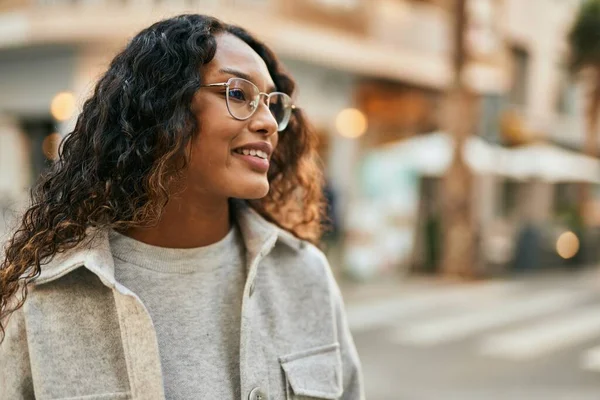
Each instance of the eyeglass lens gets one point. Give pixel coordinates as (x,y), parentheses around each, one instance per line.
(243,98)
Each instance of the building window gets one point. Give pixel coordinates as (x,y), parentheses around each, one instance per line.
(565,197)
(41,133)
(491,111)
(510,198)
(518,92)
(566,102)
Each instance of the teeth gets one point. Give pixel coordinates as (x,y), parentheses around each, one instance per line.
(252,152)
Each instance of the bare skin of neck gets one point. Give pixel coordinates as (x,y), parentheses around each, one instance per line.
(188,221)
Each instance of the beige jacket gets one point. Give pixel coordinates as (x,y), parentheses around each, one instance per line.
(82,335)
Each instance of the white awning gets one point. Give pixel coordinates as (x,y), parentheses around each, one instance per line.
(431,155)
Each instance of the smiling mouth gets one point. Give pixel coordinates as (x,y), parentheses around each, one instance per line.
(254,153)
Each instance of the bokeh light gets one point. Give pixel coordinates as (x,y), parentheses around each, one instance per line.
(567,245)
(63,106)
(351,123)
(50,146)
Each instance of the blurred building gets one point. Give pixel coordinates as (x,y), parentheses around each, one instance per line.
(371,75)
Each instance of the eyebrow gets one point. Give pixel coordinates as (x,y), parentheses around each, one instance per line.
(243,75)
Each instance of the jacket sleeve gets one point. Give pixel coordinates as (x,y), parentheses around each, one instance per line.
(352,377)
(15,371)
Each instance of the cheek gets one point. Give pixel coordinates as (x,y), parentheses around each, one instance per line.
(210,151)
(212,147)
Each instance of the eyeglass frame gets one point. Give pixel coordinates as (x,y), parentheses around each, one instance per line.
(260,94)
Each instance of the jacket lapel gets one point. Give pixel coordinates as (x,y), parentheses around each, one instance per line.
(93,253)
(259,237)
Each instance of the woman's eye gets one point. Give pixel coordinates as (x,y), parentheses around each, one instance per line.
(237,94)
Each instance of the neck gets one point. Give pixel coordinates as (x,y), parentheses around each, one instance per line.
(187,223)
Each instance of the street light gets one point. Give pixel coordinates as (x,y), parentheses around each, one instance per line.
(567,245)
(351,123)
(62,106)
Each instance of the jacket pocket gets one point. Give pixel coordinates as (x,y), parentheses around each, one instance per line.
(314,373)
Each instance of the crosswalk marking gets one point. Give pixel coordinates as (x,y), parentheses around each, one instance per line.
(455,327)
(548,335)
(369,316)
(516,320)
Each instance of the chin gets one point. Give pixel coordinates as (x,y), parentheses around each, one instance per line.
(255,191)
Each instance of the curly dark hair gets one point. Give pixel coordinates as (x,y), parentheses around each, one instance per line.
(130,140)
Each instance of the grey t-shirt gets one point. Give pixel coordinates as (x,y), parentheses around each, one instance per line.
(194,298)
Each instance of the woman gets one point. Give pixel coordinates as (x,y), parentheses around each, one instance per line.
(168,253)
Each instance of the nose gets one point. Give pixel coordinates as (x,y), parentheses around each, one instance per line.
(263,121)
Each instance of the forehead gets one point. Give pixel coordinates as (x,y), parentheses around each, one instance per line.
(234,54)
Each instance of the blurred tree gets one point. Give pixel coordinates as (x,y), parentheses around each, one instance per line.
(584,42)
(458,229)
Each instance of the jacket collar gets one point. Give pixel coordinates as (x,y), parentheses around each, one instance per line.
(94,253)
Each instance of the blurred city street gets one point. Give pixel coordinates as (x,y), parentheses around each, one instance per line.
(459,144)
(531,338)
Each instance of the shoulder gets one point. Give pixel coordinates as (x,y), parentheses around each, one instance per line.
(302,250)
(302,260)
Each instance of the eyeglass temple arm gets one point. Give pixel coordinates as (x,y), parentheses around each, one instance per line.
(215,84)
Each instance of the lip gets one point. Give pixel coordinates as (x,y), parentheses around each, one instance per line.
(257,164)
(262,146)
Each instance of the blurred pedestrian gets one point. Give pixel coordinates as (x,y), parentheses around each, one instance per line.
(169,253)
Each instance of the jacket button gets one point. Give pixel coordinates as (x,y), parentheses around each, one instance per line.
(257,394)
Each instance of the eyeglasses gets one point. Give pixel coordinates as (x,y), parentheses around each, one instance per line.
(243,98)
